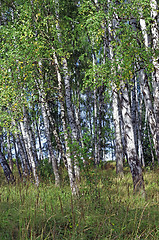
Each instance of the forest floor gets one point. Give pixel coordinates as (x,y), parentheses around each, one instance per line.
(106,208)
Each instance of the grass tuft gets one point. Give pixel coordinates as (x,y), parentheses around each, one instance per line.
(106,209)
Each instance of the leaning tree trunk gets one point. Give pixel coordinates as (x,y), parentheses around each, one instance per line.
(7,171)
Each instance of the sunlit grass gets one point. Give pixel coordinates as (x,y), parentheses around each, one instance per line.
(105,209)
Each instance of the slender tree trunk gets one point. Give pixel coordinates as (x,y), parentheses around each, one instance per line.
(50,118)
(31,136)
(116,116)
(149,108)
(118,142)
(69,107)
(48,137)
(28,145)
(71,118)
(7,171)
(153,114)
(77,114)
(152,155)
(37,127)
(96,160)
(155,47)
(133,160)
(17,158)
(9,150)
(72,178)
(140,150)
(23,152)
(100,118)
(134,113)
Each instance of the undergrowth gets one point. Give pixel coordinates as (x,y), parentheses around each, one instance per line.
(106,209)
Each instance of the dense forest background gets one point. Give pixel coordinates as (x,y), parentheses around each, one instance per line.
(79,85)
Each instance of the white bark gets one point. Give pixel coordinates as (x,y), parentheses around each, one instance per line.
(7,171)
(17,157)
(118,143)
(69,107)
(9,150)
(149,107)
(155,47)
(71,175)
(71,118)
(134,113)
(48,137)
(28,145)
(96,160)
(133,160)
(153,118)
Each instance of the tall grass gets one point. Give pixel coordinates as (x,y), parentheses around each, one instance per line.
(106,209)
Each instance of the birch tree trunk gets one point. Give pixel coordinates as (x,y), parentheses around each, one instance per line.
(5,166)
(133,160)
(50,119)
(31,137)
(149,107)
(134,113)
(153,113)
(116,117)
(17,158)
(21,152)
(100,118)
(7,171)
(140,154)
(48,137)
(28,145)
(96,160)
(71,118)
(37,127)
(9,150)
(118,142)
(155,47)
(77,113)
(72,178)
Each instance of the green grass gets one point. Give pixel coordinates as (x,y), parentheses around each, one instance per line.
(106,209)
